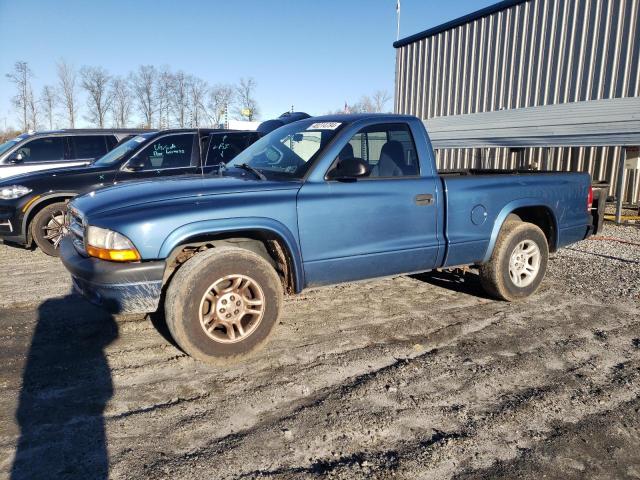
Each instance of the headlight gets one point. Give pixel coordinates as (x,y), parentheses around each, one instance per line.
(14,191)
(109,245)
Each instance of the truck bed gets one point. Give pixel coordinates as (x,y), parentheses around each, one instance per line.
(465,172)
(478,201)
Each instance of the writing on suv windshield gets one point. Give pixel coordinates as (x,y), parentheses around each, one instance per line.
(288,151)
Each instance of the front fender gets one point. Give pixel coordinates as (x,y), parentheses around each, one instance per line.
(510,208)
(237,225)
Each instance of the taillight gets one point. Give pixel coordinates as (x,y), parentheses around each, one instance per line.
(590,198)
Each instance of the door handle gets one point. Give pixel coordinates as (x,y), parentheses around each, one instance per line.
(424,199)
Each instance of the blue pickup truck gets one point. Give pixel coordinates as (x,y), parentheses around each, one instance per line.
(319,201)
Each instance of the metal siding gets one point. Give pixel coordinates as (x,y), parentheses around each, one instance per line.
(534,52)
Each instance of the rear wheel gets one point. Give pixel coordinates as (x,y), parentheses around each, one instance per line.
(49,226)
(518,262)
(222,304)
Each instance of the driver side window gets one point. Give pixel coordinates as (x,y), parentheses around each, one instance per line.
(388,150)
(171,151)
(46,149)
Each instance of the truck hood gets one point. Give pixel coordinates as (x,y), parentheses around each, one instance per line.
(132,194)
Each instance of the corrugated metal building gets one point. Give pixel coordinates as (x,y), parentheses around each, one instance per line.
(522,53)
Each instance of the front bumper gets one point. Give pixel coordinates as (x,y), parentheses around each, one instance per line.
(117,287)
(11,225)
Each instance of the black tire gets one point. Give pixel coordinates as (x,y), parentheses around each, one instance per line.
(185,301)
(495,275)
(46,224)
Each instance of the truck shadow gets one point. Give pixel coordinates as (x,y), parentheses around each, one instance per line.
(468,282)
(66,384)
(159,322)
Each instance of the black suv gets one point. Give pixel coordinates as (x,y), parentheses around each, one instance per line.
(31,152)
(33,206)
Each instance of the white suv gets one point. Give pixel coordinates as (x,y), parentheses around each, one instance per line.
(31,152)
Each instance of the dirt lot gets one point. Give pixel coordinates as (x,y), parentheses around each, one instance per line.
(407,377)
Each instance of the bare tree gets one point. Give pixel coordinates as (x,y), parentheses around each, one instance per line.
(95,80)
(368,104)
(21,78)
(143,84)
(180,97)
(198,89)
(365,105)
(163,96)
(220,99)
(67,78)
(34,113)
(48,100)
(380,99)
(247,105)
(121,104)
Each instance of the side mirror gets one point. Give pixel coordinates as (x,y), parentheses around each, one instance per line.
(17,157)
(135,165)
(349,169)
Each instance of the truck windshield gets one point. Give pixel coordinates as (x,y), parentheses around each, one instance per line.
(288,151)
(118,153)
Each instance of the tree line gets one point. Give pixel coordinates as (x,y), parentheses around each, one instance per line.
(149,97)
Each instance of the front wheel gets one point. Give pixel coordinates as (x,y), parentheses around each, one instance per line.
(49,226)
(222,304)
(518,262)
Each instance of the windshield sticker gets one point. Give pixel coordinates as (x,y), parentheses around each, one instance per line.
(139,139)
(159,149)
(324,126)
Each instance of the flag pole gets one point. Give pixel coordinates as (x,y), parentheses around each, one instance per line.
(398,17)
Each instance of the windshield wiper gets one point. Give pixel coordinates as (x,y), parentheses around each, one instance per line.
(249,168)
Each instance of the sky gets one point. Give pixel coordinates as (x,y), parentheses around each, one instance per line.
(314,55)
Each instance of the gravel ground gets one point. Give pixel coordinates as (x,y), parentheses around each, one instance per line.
(606,266)
(405,377)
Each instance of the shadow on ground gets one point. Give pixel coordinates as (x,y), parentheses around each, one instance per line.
(464,282)
(66,385)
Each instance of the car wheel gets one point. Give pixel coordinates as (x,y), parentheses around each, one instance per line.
(518,262)
(222,304)
(49,226)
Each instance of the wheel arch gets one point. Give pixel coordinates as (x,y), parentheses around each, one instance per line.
(531,211)
(38,205)
(264,237)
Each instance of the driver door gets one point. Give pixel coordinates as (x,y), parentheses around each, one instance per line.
(379,225)
(43,153)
